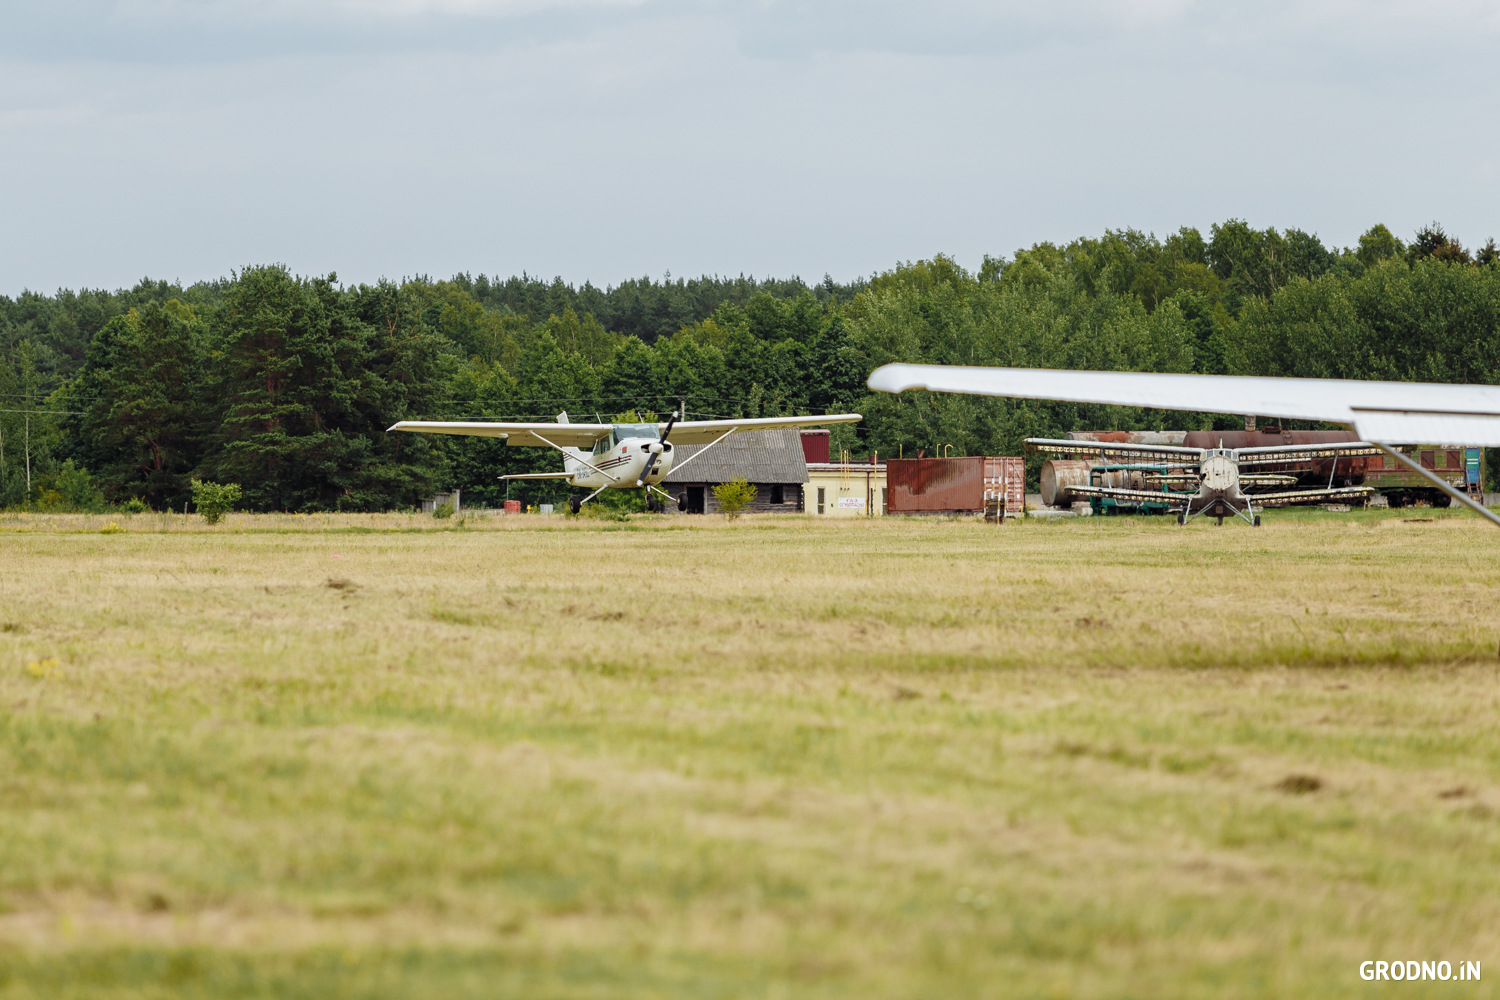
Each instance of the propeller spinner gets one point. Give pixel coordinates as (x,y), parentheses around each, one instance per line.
(656,451)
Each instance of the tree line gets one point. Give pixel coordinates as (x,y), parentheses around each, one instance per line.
(285,384)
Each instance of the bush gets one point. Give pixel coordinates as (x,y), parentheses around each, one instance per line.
(734,496)
(135,505)
(443,510)
(214,500)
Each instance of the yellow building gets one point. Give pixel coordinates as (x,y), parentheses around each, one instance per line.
(844,489)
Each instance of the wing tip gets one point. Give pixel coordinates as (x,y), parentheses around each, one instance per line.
(893,378)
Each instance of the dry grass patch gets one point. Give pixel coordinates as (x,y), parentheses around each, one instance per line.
(387,756)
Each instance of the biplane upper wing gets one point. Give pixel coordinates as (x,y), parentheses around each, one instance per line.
(1166,452)
(1388,412)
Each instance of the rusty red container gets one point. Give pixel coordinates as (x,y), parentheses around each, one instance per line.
(512,506)
(952,485)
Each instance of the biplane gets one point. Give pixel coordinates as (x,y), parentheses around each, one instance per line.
(1205,482)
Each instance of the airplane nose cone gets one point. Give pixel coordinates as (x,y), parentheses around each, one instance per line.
(656,448)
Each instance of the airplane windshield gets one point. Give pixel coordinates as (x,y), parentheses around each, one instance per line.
(623,431)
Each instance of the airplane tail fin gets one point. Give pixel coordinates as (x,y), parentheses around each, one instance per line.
(572,457)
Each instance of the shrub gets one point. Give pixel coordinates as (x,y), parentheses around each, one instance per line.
(443,510)
(77,488)
(214,500)
(734,496)
(135,505)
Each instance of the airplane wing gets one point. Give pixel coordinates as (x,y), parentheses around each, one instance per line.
(708,431)
(1122,493)
(1336,493)
(584,435)
(539,475)
(514,435)
(1388,412)
(1169,452)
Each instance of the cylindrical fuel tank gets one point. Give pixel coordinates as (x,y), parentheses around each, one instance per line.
(1060,474)
(1057,475)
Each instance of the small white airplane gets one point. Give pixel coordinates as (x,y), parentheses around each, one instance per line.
(1384,414)
(616,456)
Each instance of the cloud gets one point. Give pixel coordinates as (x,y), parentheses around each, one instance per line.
(601,139)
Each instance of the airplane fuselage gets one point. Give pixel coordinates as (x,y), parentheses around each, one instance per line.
(619,463)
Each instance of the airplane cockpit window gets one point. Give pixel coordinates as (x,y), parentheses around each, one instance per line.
(604,444)
(623,431)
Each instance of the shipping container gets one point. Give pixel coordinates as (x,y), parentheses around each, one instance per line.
(955,485)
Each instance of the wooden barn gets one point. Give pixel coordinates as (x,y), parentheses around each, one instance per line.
(771,461)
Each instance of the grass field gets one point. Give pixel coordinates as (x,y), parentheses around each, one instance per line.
(358,757)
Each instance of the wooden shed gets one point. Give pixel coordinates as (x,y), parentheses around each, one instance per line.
(771,461)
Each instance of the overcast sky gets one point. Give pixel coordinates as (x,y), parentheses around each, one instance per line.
(605,139)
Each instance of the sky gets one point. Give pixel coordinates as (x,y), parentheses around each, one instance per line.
(601,140)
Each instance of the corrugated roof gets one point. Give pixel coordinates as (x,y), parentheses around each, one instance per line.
(760,456)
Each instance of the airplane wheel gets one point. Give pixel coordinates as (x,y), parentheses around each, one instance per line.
(574,504)
(1257,520)
(1182,519)
(682,501)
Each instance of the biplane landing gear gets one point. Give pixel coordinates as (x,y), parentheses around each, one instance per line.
(575,504)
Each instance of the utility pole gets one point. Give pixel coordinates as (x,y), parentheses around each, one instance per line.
(682,408)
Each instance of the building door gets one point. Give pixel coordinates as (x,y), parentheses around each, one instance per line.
(820,499)
(695,500)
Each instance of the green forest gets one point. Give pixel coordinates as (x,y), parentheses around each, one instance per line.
(285,384)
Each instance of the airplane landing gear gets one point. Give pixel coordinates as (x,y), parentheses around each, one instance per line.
(1182,519)
(1257,521)
(654,506)
(575,504)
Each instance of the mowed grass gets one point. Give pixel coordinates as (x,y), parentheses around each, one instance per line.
(368,757)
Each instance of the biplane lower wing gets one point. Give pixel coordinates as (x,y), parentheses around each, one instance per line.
(1122,493)
(1336,493)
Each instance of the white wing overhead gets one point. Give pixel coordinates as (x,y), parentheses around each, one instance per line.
(584,435)
(1387,412)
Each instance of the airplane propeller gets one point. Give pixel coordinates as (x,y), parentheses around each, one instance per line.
(656,451)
